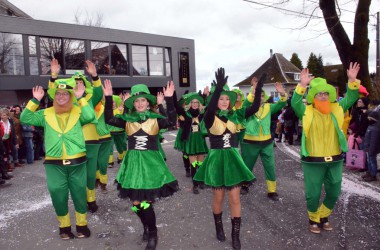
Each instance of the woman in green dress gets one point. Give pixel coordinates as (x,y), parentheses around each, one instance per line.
(143,175)
(223,169)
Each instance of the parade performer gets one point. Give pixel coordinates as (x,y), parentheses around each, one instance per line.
(179,143)
(223,168)
(143,175)
(258,140)
(119,138)
(239,105)
(195,144)
(323,142)
(65,161)
(93,95)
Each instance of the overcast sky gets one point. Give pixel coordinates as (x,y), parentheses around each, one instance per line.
(233,34)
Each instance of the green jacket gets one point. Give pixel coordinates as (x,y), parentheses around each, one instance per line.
(55,137)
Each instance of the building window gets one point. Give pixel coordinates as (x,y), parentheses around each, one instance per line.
(100,57)
(168,65)
(50,48)
(74,55)
(11,54)
(119,60)
(274,94)
(33,60)
(296,76)
(139,60)
(156,61)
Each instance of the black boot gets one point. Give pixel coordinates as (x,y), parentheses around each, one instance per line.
(145,233)
(219,227)
(65,233)
(83,232)
(92,206)
(186,164)
(152,240)
(150,222)
(235,233)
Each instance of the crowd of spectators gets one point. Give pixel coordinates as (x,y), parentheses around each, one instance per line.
(20,144)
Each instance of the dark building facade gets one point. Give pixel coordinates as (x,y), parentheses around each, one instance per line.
(126,58)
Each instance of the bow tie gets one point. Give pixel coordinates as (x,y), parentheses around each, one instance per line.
(143,115)
(223,113)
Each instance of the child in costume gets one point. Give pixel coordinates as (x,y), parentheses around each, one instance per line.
(93,95)
(118,135)
(65,161)
(179,143)
(258,140)
(195,144)
(223,168)
(323,142)
(143,175)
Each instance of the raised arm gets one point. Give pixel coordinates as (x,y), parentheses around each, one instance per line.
(171,118)
(296,102)
(352,94)
(29,115)
(221,80)
(257,88)
(108,111)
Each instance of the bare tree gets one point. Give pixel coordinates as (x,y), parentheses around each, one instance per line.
(355,51)
(88,20)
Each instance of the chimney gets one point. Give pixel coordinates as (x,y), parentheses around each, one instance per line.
(271,53)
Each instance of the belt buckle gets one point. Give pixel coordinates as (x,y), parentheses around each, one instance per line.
(66,162)
(328,158)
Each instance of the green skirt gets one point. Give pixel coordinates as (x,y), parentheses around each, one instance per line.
(179,144)
(195,144)
(144,175)
(224,168)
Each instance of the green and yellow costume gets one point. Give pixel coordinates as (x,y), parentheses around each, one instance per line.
(258,140)
(65,161)
(322,144)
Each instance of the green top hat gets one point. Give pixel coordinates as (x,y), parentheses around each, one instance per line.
(79,76)
(226,91)
(191,96)
(117,100)
(318,85)
(67,84)
(138,91)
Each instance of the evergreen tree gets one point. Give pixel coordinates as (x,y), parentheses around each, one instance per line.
(296,61)
(312,63)
(319,71)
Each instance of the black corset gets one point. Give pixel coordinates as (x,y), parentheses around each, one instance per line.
(142,141)
(226,140)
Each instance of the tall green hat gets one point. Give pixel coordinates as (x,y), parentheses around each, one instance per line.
(79,76)
(138,91)
(226,91)
(67,84)
(318,85)
(266,96)
(193,95)
(117,100)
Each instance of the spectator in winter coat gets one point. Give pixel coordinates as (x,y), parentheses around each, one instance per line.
(371,145)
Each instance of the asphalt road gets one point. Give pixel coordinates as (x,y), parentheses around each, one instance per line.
(27,218)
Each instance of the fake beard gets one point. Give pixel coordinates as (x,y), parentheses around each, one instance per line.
(323,106)
(60,109)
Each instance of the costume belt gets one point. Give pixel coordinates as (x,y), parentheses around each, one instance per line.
(322,159)
(67,162)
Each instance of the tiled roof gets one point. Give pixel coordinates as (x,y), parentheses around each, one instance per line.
(278,69)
